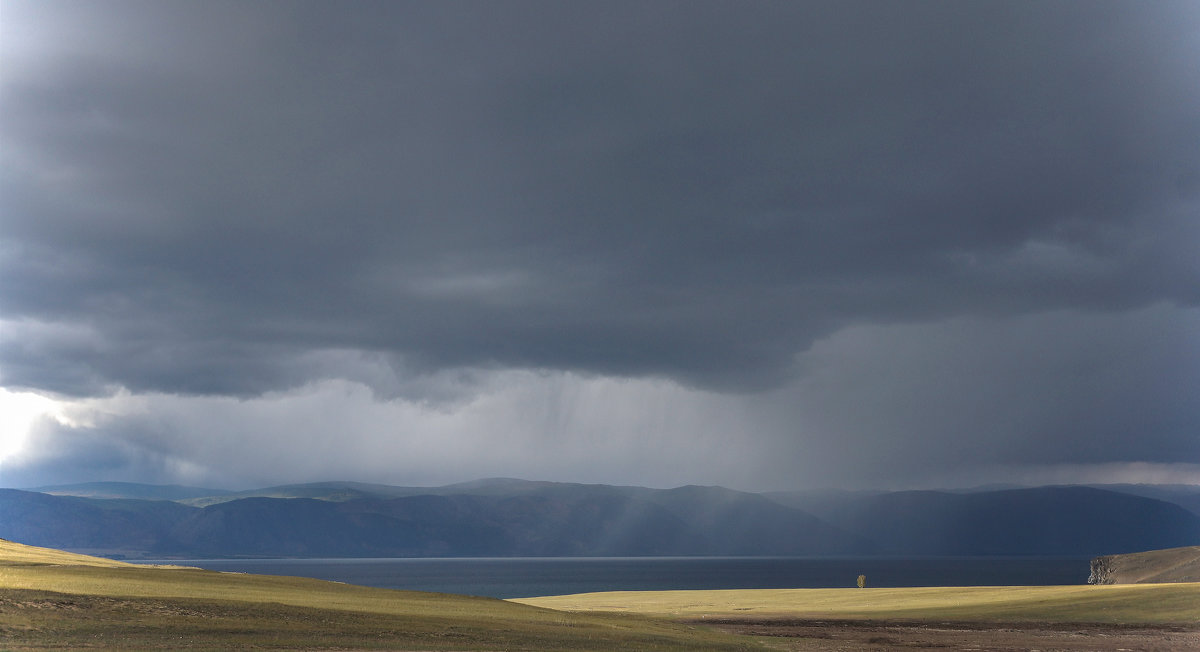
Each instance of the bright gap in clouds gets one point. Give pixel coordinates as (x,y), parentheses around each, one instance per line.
(18,412)
(540,426)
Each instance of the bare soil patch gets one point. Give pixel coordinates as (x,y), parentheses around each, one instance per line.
(855,635)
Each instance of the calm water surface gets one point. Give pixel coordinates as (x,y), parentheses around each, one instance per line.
(527,577)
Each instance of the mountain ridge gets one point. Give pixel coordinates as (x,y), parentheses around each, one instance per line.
(511,517)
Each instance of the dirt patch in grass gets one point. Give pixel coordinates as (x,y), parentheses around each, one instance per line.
(800,635)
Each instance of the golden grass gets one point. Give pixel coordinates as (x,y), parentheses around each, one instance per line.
(28,567)
(19,553)
(1141,603)
(50,598)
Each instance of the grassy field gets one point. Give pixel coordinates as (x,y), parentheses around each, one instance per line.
(1126,604)
(51,599)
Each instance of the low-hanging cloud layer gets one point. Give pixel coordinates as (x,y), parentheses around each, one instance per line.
(756,244)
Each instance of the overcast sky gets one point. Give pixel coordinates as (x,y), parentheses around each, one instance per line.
(768,245)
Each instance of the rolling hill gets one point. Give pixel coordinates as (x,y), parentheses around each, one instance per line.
(1151,567)
(50,599)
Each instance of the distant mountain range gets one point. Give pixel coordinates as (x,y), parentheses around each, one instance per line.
(1040,521)
(504,517)
(131,490)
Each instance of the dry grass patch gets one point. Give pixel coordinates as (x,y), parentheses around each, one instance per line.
(12,553)
(1146,603)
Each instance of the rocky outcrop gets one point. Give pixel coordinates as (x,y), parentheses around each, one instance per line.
(1151,567)
(1101,570)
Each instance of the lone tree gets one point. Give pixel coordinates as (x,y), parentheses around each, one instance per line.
(862,581)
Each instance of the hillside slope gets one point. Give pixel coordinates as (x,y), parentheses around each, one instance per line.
(55,600)
(88,524)
(1151,567)
(13,553)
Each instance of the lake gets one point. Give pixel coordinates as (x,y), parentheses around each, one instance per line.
(529,577)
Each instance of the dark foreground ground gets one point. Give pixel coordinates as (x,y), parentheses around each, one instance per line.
(42,621)
(855,635)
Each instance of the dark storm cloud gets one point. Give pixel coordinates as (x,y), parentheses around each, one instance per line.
(969,399)
(212,197)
